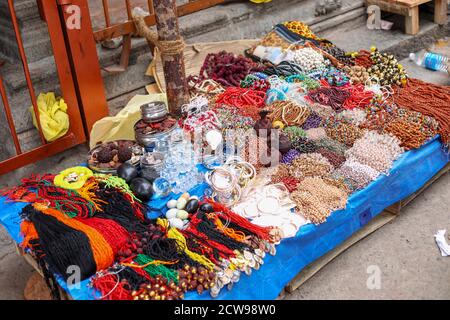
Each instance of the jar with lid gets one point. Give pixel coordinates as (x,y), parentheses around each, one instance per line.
(152,164)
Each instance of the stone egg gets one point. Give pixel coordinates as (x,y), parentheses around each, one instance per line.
(185,196)
(192,206)
(176,223)
(171,204)
(181,203)
(171,213)
(182,214)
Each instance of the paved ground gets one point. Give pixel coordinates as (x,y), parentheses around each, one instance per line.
(404,250)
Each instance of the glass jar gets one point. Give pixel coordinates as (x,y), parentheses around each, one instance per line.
(152,164)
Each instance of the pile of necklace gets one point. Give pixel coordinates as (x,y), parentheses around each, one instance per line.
(375,150)
(316,199)
(335,122)
(289,113)
(342,132)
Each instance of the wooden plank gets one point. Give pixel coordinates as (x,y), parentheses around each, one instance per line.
(412,3)
(39,153)
(376,223)
(82,50)
(412,21)
(28,258)
(391,7)
(440,12)
(397,207)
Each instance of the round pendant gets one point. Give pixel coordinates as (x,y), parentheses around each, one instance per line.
(269,205)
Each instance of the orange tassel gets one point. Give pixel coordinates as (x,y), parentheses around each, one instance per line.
(103,253)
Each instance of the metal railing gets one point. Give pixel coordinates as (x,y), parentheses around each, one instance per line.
(110,31)
(76,134)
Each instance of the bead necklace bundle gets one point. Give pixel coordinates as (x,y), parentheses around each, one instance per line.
(334,158)
(332,96)
(242,97)
(226,68)
(301,29)
(309,59)
(316,199)
(359,174)
(363,59)
(323,111)
(281,89)
(233,118)
(429,99)
(339,54)
(313,121)
(354,116)
(207,87)
(330,76)
(289,156)
(386,69)
(428,125)
(306,82)
(345,133)
(359,97)
(253,82)
(284,69)
(332,145)
(310,165)
(410,135)
(377,151)
(294,133)
(199,117)
(288,112)
(357,74)
(316,134)
(256,151)
(304,145)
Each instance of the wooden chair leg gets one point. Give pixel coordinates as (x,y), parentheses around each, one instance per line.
(412,21)
(440,12)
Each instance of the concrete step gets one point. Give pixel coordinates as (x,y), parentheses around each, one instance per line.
(354,35)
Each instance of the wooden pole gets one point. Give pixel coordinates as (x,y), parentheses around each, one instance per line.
(173,64)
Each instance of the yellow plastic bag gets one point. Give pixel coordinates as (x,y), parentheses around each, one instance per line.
(52,115)
(121,126)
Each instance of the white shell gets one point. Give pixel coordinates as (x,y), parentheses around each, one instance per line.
(171,204)
(171,213)
(214,138)
(176,223)
(181,203)
(182,214)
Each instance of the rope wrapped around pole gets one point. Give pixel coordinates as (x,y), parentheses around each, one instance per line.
(171,46)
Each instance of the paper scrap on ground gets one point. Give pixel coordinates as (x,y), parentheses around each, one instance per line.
(442,243)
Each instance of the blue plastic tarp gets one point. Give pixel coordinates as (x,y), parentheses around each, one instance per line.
(408,174)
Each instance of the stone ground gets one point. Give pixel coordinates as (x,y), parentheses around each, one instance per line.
(404,250)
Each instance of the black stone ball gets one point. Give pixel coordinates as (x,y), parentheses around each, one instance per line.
(191,206)
(207,208)
(142,188)
(127,172)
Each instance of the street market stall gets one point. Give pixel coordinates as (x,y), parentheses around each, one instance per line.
(279,156)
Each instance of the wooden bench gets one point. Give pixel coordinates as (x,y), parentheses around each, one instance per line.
(410,9)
